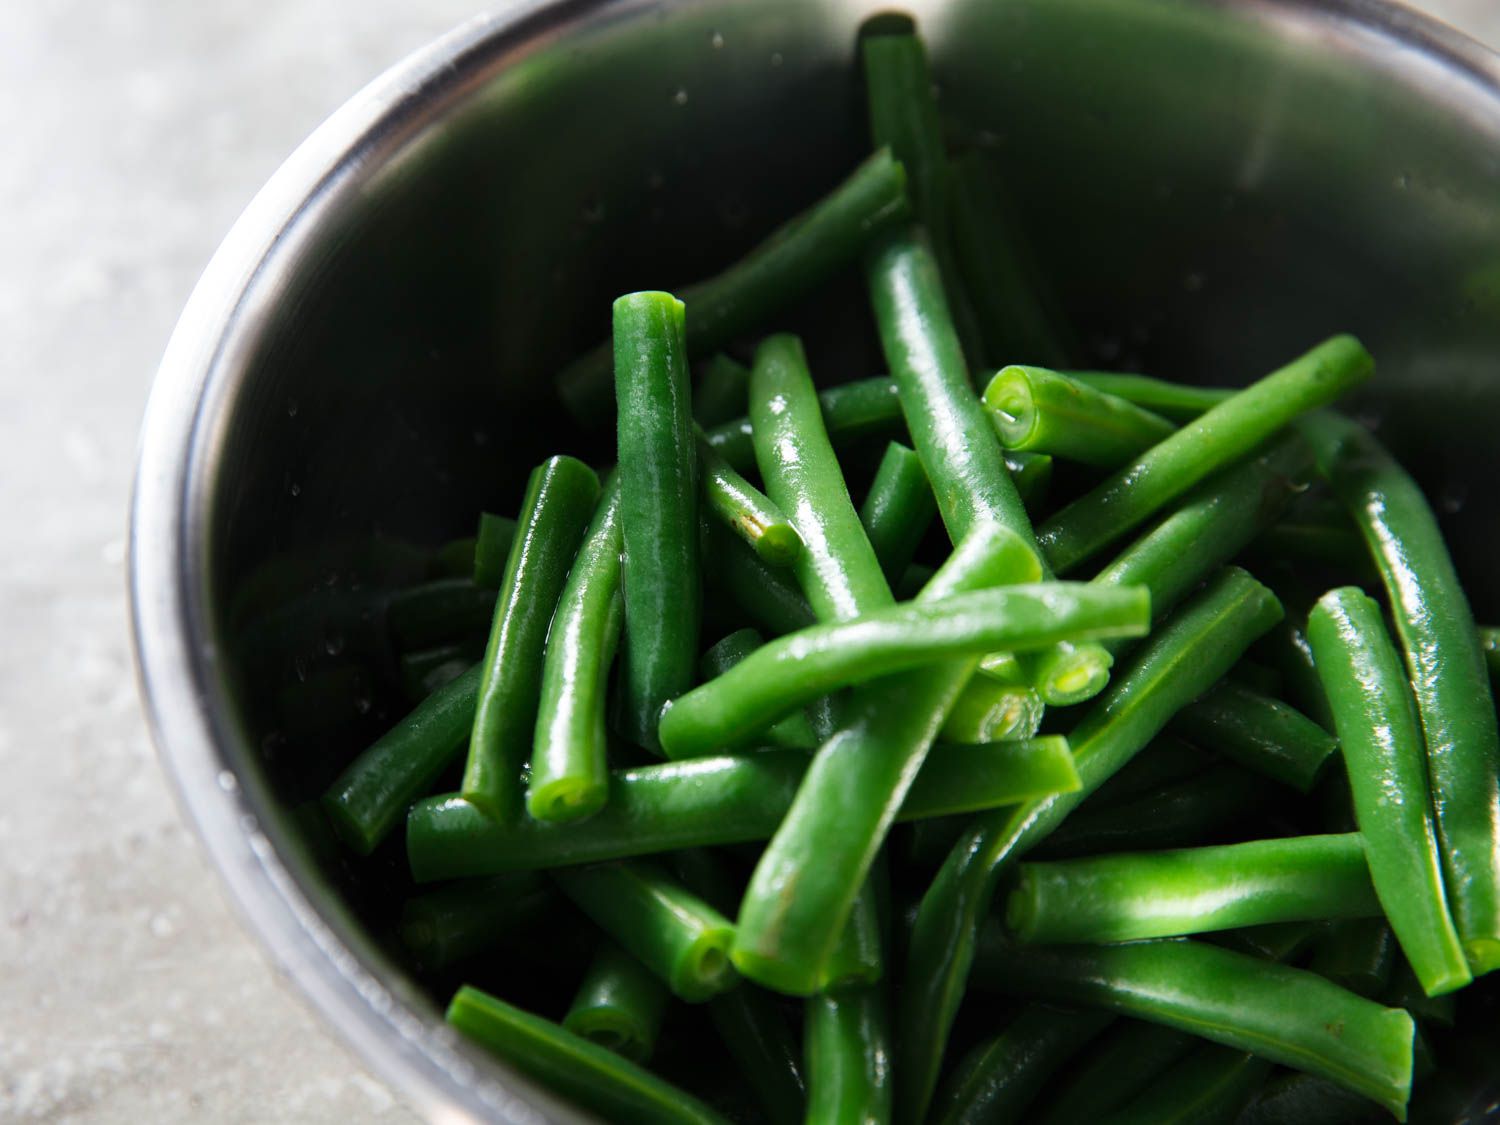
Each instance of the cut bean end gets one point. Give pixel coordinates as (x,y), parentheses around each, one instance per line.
(566,799)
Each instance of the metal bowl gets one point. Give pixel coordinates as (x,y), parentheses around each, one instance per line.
(1210,186)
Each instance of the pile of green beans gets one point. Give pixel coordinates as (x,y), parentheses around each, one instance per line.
(786,740)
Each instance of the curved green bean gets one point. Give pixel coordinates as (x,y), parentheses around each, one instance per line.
(673,932)
(898,509)
(658,473)
(792,260)
(794,732)
(1278,1013)
(1260,733)
(560,498)
(999,1080)
(1223,435)
(724,800)
(1179,402)
(1042,411)
(745,509)
(1382,747)
(371,796)
(1191,650)
(569,777)
(492,546)
(800,667)
(1446,666)
(618,1005)
(595,1078)
(1194,890)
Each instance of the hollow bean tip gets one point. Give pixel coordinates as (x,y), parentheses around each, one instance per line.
(889,24)
(351,831)
(566,800)
(707,968)
(779,544)
(1075,677)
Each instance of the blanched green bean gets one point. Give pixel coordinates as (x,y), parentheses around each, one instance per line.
(721,392)
(898,509)
(1194,890)
(472,916)
(1180,402)
(492,549)
(768,595)
(1260,733)
(619,1004)
(745,509)
(442,611)
(848,1067)
(794,732)
(993,710)
(863,408)
(1223,435)
(1042,411)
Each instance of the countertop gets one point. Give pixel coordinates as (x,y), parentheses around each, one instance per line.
(135,133)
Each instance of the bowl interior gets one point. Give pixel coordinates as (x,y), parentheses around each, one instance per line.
(1209,189)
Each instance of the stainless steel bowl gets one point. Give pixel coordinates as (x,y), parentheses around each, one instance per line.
(1212,186)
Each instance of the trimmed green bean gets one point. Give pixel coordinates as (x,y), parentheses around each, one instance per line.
(673,932)
(1382,748)
(560,499)
(1223,435)
(724,800)
(451,923)
(721,392)
(845,1037)
(1122,1063)
(863,408)
(1189,891)
(1179,402)
(993,710)
(800,667)
(794,732)
(371,796)
(793,911)
(595,1078)
(745,509)
(998,1081)
(618,1005)
(837,568)
(794,259)
(425,670)
(768,595)
(1042,411)
(1191,651)
(898,509)
(1210,1086)
(569,777)
(492,549)
(438,612)
(658,472)
(1357,954)
(1278,1013)
(1260,733)
(1180,815)
(1446,666)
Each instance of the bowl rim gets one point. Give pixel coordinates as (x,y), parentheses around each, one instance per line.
(398,1034)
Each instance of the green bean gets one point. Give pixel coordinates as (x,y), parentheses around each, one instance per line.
(1164,763)
(904,118)
(793,260)
(1223,435)
(658,471)
(1278,1013)
(560,498)
(569,766)
(853,788)
(1180,402)
(618,1005)
(1179,815)
(864,408)
(1446,666)
(1042,411)
(1122,1063)
(999,1079)
(438,612)
(898,509)
(1291,656)
(802,666)
(446,925)
(1357,954)
(1192,650)
(1016,315)
(993,710)
(837,568)
(1260,733)
(746,510)
(1211,1085)
(767,595)
(370,797)
(846,1057)
(673,932)
(1382,747)
(724,800)
(1304,1099)
(722,391)
(1189,891)
(595,1078)
(794,732)
(425,670)
(492,549)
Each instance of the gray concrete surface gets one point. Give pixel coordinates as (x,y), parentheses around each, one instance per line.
(135,131)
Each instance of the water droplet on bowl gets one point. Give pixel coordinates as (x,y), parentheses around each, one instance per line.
(333,642)
(716,41)
(227,781)
(776,59)
(681,96)
(291,408)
